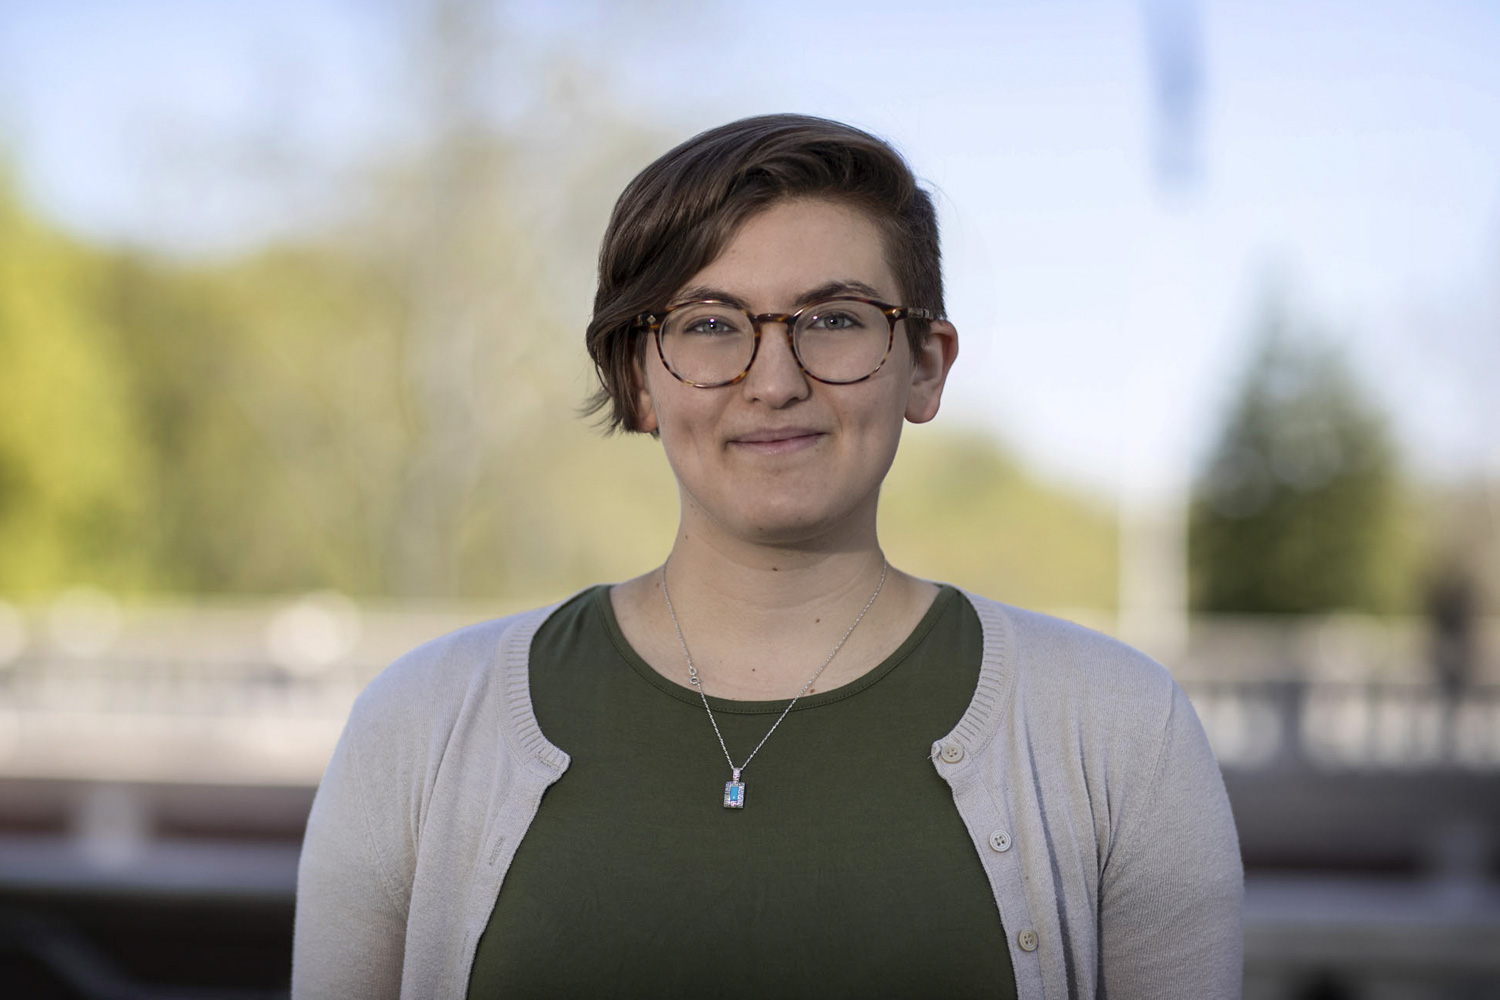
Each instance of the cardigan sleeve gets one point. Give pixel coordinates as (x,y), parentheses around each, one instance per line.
(1172,885)
(350,928)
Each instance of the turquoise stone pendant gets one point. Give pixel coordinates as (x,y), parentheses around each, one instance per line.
(734,792)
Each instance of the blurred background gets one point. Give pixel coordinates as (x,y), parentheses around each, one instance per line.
(291,310)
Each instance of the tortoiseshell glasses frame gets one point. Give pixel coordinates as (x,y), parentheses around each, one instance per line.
(654,322)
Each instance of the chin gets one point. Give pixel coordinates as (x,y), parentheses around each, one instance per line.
(785,535)
(793,528)
(788,515)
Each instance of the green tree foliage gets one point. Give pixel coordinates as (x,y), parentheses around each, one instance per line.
(71,453)
(255,426)
(268,390)
(1300,507)
(957,507)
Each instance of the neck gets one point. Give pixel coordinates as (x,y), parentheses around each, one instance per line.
(761,585)
(759,618)
(783,628)
(775,572)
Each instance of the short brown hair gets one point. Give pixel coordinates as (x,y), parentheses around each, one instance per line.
(679,213)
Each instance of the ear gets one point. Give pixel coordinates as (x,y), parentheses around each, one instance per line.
(929,371)
(645,408)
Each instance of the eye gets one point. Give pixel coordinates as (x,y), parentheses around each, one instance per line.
(835,319)
(706,321)
(709,325)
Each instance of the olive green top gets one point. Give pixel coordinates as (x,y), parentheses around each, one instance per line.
(848,873)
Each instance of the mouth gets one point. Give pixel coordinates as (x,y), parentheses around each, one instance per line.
(776,441)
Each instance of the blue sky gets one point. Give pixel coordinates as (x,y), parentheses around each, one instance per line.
(1349,155)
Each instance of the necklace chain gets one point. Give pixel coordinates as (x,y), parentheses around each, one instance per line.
(697,681)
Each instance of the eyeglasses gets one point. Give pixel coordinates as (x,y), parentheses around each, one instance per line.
(707,343)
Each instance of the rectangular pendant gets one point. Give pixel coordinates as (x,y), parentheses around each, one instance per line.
(734,795)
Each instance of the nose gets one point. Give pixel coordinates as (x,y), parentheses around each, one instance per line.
(775,378)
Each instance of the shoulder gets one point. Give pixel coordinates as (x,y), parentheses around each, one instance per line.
(1068,700)
(423,691)
(1069,693)
(1047,655)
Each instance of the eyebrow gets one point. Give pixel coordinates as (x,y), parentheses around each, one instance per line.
(827,290)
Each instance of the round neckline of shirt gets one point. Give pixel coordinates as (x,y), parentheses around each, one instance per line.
(603,607)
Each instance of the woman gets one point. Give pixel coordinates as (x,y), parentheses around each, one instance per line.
(774,765)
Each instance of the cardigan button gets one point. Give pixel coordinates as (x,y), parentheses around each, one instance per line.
(1027,939)
(952,753)
(1000,841)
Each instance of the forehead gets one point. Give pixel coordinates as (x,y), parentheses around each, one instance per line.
(797,244)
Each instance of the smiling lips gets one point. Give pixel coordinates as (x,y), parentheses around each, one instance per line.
(777,441)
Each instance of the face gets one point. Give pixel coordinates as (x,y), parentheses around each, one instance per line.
(780,458)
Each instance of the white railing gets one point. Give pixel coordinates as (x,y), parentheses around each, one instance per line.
(257,693)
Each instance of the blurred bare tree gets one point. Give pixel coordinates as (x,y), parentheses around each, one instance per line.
(473,299)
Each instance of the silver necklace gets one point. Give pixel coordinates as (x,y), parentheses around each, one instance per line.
(734,788)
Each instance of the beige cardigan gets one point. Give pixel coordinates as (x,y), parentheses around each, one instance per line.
(1080,770)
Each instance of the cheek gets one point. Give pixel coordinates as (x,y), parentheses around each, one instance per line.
(883,416)
(683,422)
